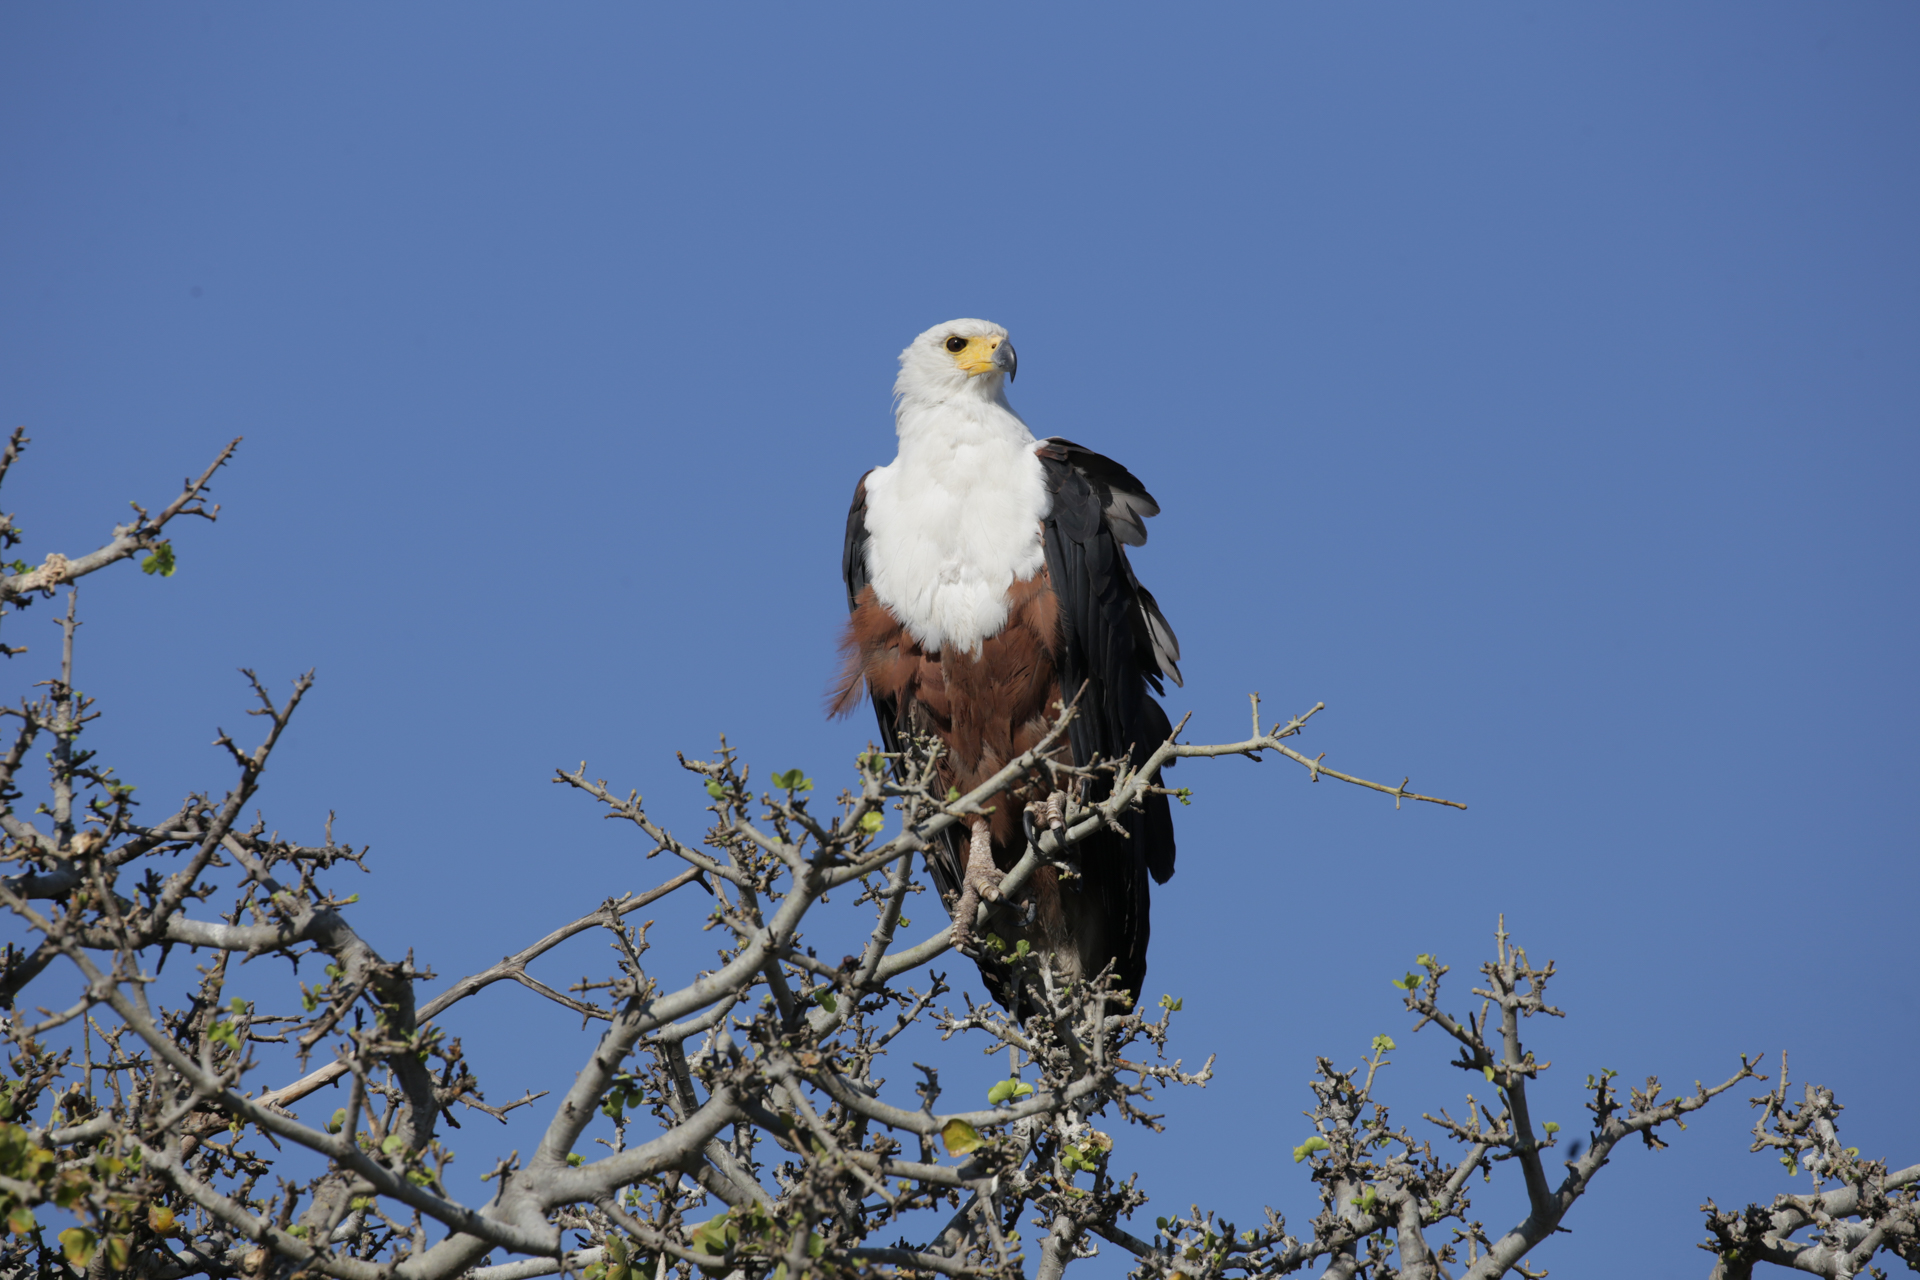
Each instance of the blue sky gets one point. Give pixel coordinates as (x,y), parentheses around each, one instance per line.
(1534,385)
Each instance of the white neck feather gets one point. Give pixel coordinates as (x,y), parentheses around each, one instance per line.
(954,520)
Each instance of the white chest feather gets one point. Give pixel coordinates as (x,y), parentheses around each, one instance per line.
(955,520)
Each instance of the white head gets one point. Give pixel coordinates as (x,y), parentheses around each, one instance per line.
(961,358)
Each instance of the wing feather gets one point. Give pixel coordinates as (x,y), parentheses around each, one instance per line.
(1116,647)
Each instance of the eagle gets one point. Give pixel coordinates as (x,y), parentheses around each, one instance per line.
(988,584)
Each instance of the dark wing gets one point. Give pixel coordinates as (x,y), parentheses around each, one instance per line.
(853,569)
(1116,648)
(944,859)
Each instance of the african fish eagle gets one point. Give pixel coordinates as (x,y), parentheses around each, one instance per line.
(987,580)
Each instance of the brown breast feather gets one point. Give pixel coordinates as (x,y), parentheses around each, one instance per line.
(985,708)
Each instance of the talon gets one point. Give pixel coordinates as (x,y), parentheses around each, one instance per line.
(1056,811)
(963,942)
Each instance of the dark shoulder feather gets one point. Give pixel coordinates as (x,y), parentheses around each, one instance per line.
(1124,505)
(853,559)
(1124,501)
(853,569)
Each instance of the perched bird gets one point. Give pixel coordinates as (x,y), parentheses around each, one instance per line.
(987,580)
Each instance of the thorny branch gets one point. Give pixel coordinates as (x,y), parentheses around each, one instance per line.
(1855,1208)
(22,582)
(737,1122)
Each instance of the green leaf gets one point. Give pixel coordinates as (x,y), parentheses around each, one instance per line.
(1174,1003)
(1384,1044)
(1006,1089)
(871,821)
(575,1159)
(1021,948)
(1551,1128)
(161,1219)
(1424,960)
(70,1189)
(394,1142)
(715,790)
(338,1122)
(953,793)
(161,561)
(20,1220)
(1085,1157)
(793,780)
(1366,1198)
(77,1244)
(960,1137)
(1409,983)
(825,1000)
(1488,1072)
(714,1235)
(1307,1148)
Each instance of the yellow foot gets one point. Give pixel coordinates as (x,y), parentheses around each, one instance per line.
(980,882)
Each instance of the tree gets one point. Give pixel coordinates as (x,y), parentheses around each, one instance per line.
(742,1122)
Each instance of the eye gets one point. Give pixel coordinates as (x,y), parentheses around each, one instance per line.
(956,344)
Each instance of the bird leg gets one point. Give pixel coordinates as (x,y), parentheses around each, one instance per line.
(980,881)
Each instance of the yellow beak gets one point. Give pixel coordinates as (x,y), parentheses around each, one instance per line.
(986,355)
